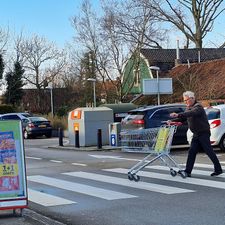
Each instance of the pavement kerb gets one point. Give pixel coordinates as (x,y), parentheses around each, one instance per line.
(88,148)
(28,217)
(39,219)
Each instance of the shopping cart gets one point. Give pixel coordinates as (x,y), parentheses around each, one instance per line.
(156,141)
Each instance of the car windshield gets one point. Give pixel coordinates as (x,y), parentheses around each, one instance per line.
(212,113)
(26,114)
(134,116)
(34,119)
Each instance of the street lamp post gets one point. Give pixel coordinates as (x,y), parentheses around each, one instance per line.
(156,68)
(52,109)
(50,87)
(94,81)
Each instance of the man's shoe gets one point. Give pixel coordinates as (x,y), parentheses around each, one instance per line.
(187,174)
(184,171)
(216,173)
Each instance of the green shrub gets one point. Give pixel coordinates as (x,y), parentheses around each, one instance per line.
(6,109)
(63,111)
(58,122)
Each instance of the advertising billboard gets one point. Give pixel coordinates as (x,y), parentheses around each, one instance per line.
(13,186)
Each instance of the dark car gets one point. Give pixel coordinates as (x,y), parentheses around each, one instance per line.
(38,126)
(156,116)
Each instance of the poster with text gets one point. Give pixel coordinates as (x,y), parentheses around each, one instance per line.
(12,163)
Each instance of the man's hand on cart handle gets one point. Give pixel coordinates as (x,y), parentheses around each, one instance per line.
(169,122)
(173,115)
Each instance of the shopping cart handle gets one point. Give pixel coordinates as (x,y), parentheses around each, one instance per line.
(173,123)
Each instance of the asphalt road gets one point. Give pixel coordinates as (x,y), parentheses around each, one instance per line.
(91,187)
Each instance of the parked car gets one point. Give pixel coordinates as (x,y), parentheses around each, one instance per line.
(156,116)
(32,126)
(16,116)
(216,118)
(38,126)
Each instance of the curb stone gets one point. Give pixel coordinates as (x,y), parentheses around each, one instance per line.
(40,219)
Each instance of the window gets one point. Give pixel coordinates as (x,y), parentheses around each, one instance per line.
(10,117)
(136,77)
(25,120)
(159,117)
(176,110)
(213,113)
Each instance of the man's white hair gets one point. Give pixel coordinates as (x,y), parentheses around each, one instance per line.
(189,94)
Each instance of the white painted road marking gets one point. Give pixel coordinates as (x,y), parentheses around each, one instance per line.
(55,161)
(79,164)
(36,158)
(46,199)
(80,188)
(194,171)
(113,157)
(201,165)
(125,182)
(195,181)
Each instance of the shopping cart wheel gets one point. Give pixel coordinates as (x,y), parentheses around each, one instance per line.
(130,176)
(173,172)
(136,177)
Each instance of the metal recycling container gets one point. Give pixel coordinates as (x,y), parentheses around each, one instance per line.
(87,121)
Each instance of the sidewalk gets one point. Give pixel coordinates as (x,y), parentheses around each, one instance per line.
(87,148)
(29,217)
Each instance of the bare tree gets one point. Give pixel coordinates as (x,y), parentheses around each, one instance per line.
(132,26)
(41,60)
(194,18)
(188,81)
(134,22)
(114,37)
(4,35)
(223,45)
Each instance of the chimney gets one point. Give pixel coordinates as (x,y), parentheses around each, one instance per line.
(177,60)
(199,56)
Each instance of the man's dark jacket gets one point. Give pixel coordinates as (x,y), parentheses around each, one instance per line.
(196,118)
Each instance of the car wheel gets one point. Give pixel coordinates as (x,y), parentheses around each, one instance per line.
(222,143)
(25,135)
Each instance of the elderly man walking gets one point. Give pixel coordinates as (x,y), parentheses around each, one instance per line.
(198,124)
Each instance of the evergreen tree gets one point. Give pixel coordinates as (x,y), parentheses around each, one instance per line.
(14,92)
(1,66)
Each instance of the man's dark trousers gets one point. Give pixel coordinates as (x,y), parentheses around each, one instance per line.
(201,141)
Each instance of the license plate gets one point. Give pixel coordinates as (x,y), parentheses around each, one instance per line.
(42,126)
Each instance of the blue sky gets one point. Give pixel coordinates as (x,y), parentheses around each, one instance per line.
(51,19)
(48,18)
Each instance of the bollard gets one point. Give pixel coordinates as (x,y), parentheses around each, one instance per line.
(60,134)
(77,142)
(99,139)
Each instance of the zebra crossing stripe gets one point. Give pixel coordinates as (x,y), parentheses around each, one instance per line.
(195,181)
(194,171)
(80,188)
(46,199)
(125,182)
(36,158)
(201,165)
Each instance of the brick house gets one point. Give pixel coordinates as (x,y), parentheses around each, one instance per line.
(137,69)
(206,79)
